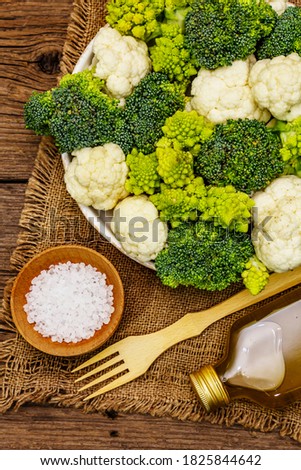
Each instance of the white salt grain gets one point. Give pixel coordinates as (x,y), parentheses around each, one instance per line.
(69,302)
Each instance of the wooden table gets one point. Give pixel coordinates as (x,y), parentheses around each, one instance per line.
(31,38)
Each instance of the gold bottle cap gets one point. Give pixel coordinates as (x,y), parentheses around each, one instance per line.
(209,388)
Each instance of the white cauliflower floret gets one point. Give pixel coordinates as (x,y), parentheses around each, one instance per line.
(278,5)
(121,61)
(276,85)
(224,93)
(96,176)
(277,225)
(137,226)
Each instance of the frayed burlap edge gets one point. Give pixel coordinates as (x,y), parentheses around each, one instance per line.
(81,30)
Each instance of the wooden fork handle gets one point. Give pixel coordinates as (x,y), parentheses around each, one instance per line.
(193,324)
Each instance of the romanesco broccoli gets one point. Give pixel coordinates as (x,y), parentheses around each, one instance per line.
(171,57)
(175,166)
(187,130)
(176,11)
(255,276)
(228,208)
(290,134)
(143,176)
(181,204)
(138,18)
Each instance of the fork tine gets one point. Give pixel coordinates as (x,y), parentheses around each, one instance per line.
(106,376)
(114,384)
(103,366)
(98,357)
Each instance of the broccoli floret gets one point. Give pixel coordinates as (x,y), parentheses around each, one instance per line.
(147,108)
(218,32)
(228,208)
(143,175)
(77,114)
(204,256)
(38,112)
(122,135)
(290,134)
(285,37)
(171,57)
(175,166)
(243,153)
(255,276)
(138,18)
(187,130)
(181,204)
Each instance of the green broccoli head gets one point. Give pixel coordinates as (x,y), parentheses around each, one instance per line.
(203,256)
(290,134)
(143,176)
(122,135)
(177,205)
(228,208)
(38,112)
(138,18)
(218,32)
(147,108)
(243,153)
(175,166)
(255,276)
(285,37)
(78,114)
(187,130)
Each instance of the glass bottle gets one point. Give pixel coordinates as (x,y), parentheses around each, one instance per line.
(262,361)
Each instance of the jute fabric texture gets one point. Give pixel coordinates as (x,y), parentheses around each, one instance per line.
(51,218)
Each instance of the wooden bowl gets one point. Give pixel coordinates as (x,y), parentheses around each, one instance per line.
(44,260)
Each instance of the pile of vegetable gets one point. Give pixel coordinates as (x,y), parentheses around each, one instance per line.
(187,125)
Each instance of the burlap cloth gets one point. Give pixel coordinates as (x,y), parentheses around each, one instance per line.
(50,217)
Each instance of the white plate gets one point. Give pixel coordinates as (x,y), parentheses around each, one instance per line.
(100,220)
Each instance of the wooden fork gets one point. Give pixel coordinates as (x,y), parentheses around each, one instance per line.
(133,355)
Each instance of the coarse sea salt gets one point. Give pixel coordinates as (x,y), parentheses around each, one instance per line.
(69,302)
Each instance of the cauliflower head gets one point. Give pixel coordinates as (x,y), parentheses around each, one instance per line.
(224,93)
(276,235)
(138,228)
(276,85)
(122,61)
(96,176)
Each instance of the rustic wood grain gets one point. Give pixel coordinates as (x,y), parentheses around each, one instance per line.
(55,428)
(32,34)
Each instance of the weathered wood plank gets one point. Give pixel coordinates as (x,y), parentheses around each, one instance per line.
(45,427)
(32,36)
